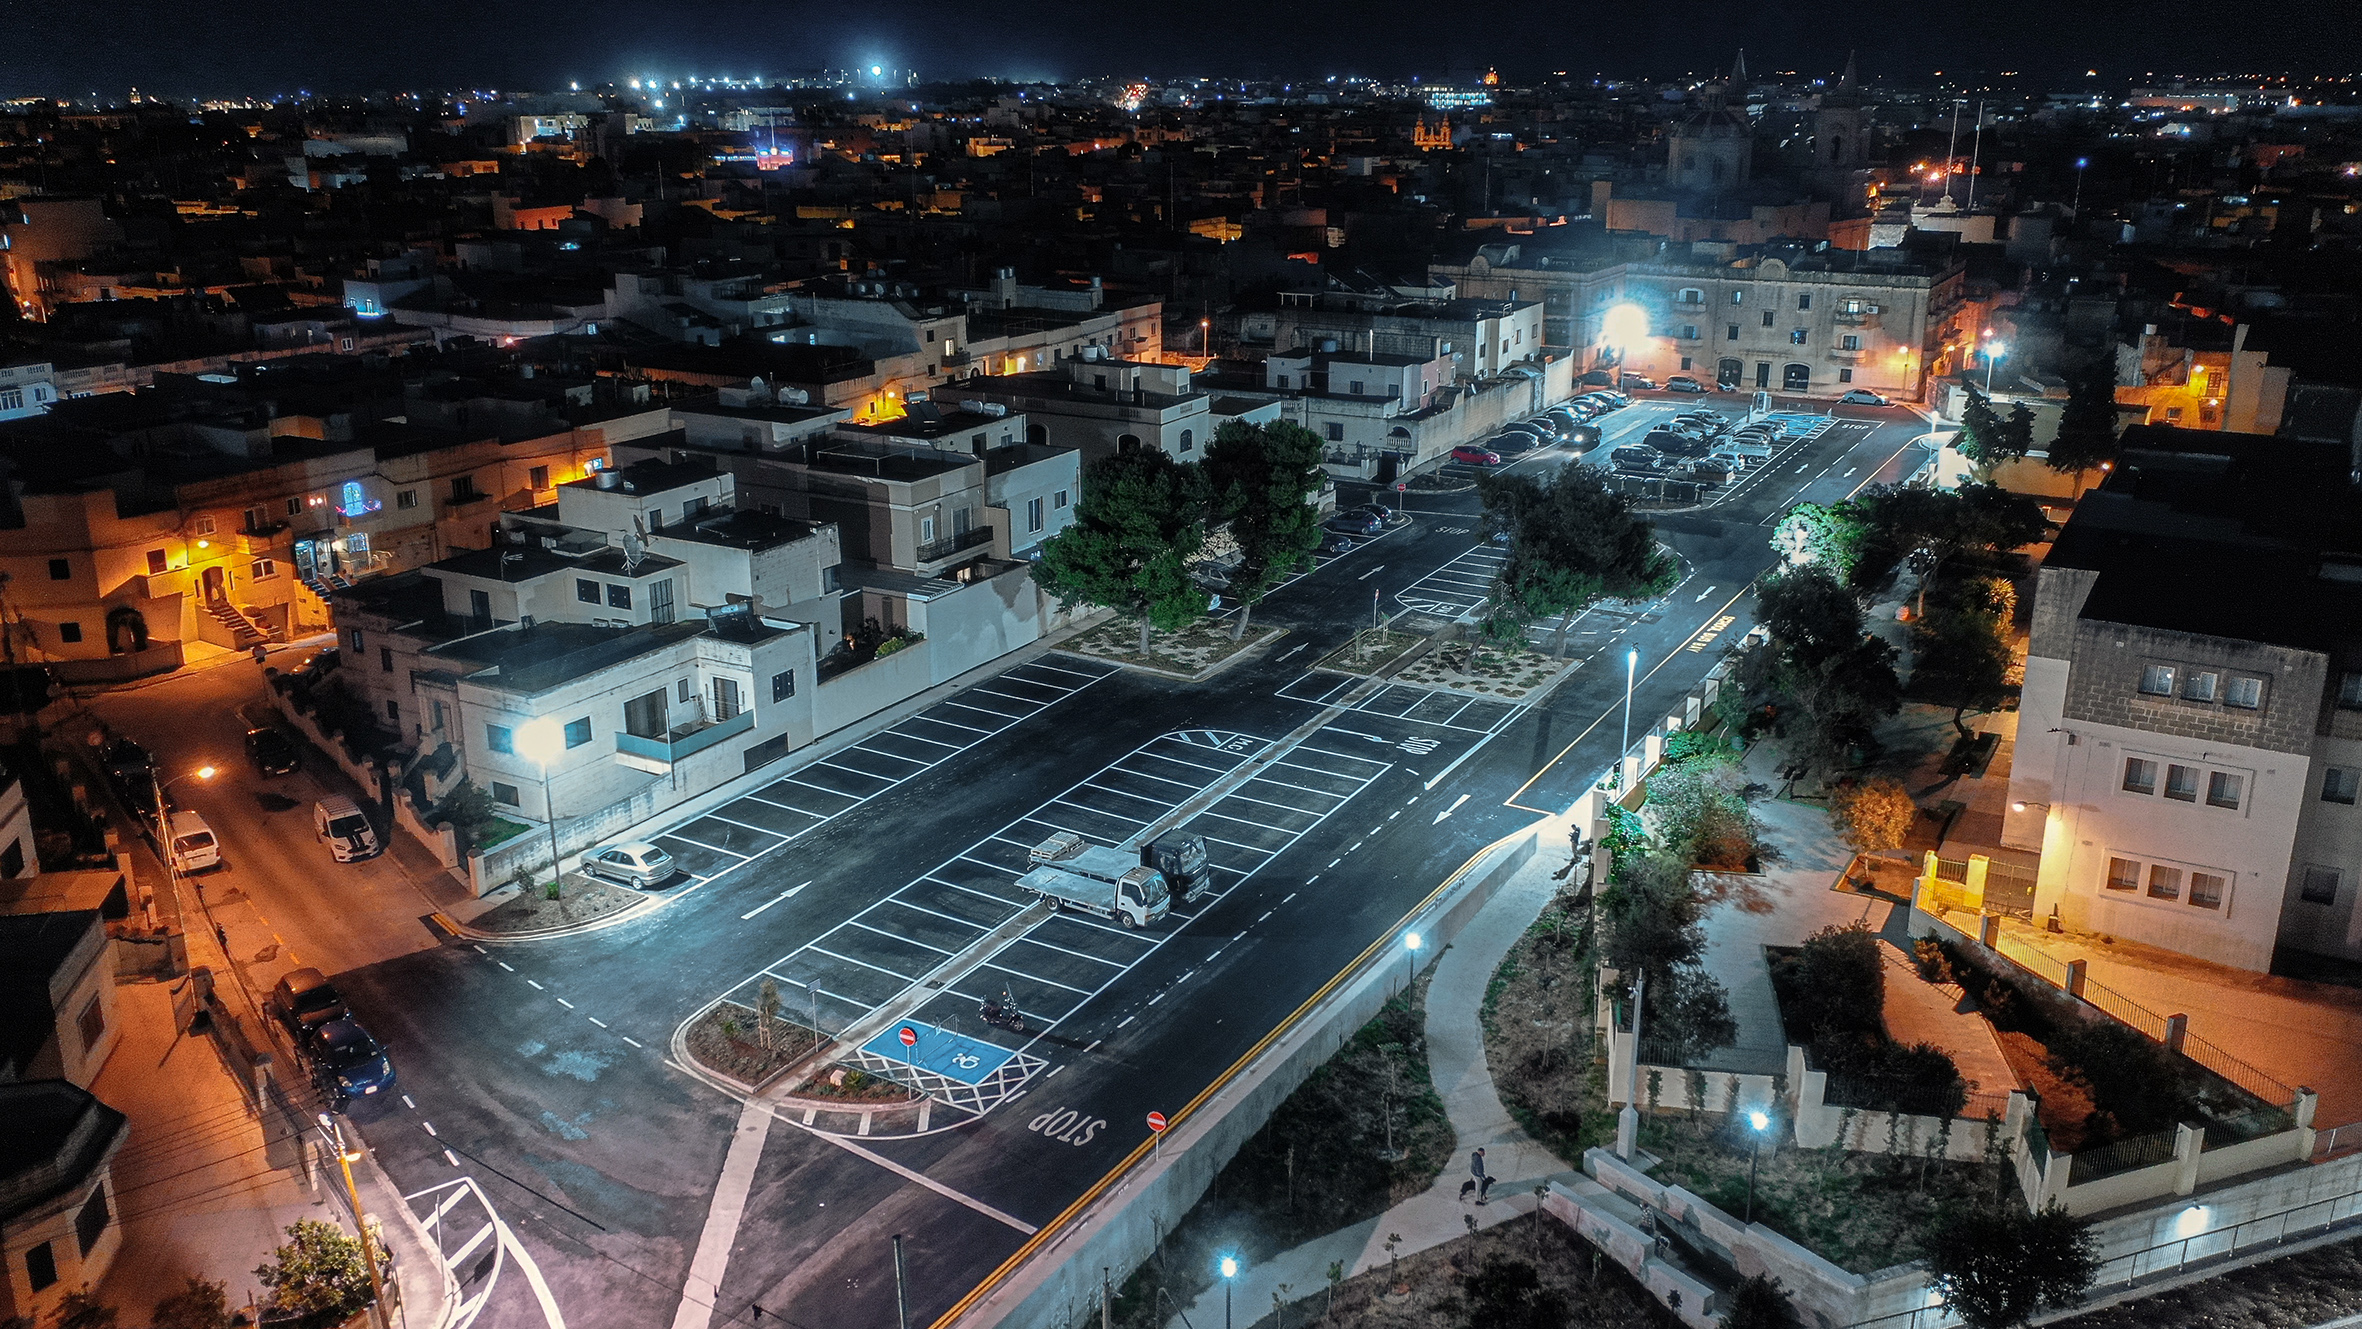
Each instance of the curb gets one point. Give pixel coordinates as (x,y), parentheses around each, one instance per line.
(1269,637)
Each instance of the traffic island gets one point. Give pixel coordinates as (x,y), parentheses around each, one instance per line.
(1488,670)
(736,1043)
(1371,652)
(1194,653)
(528,911)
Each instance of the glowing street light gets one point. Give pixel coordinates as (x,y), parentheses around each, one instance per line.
(1619,328)
(1994,350)
(1229,1273)
(1411,942)
(1631,666)
(540,741)
(1757,1121)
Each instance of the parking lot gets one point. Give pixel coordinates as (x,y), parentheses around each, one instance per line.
(740,831)
(1062,963)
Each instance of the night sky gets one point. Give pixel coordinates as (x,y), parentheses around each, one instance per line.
(226,47)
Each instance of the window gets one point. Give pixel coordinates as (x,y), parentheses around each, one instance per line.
(578,732)
(2245,693)
(1845,376)
(1033,515)
(40,1266)
(1689,295)
(2207,889)
(926,530)
(2339,784)
(354,640)
(12,400)
(436,709)
(2123,875)
(1738,297)
(1730,332)
(619,596)
(1804,299)
(393,713)
(726,704)
(91,1222)
(2140,775)
(586,590)
(1689,332)
(2320,885)
(157,562)
(2164,883)
(783,685)
(60,570)
(2223,789)
(686,689)
(295,507)
(1336,432)
(501,738)
(463,489)
(1763,373)
(1849,342)
(479,606)
(1796,336)
(537,477)
(2157,680)
(505,793)
(69,631)
(385,659)
(1767,318)
(205,526)
(405,498)
(91,1024)
(692,508)
(660,601)
(1354,388)
(1685,363)
(1058,501)
(1189,436)
(2349,691)
(2181,782)
(2201,685)
(263,570)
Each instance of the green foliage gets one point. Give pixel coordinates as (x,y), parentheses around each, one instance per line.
(2017,432)
(1822,536)
(81,1309)
(1832,992)
(1262,479)
(1758,1303)
(1692,745)
(1960,648)
(1873,816)
(1823,680)
(1996,1267)
(470,810)
(1652,922)
(1925,528)
(320,1275)
(1626,832)
(1507,1293)
(198,1305)
(1984,439)
(1571,541)
(1140,522)
(1701,814)
(2087,428)
(2131,1079)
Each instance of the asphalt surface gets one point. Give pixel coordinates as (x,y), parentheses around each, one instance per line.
(540,1070)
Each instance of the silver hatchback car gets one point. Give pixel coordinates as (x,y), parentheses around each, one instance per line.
(632,863)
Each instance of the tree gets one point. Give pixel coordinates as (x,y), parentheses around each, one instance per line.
(199,1305)
(1960,654)
(1571,541)
(1759,1303)
(2017,432)
(1823,681)
(766,1009)
(320,1275)
(1928,527)
(1140,522)
(2087,428)
(1701,813)
(1652,923)
(1983,439)
(469,809)
(1263,479)
(81,1309)
(1827,537)
(1995,1267)
(1506,1293)
(1873,817)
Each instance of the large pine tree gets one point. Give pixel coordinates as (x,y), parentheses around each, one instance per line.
(2087,428)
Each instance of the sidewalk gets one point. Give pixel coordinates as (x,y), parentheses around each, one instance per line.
(1455,1056)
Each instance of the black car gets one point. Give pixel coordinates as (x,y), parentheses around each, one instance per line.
(1637,457)
(1513,441)
(1378,510)
(271,752)
(1675,443)
(1355,523)
(1582,438)
(305,999)
(1333,544)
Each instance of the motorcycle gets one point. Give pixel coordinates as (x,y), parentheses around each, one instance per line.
(1002,1011)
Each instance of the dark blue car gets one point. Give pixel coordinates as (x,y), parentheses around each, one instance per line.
(347,1061)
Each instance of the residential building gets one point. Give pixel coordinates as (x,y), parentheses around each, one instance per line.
(2200,374)
(2189,754)
(1099,406)
(59,1230)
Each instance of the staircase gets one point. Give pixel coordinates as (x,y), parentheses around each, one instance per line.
(243,633)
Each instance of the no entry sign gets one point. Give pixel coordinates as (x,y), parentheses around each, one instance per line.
(909,1036)
(1156,1122)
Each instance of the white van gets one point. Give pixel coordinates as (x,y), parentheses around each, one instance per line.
(341,823)
(193,847)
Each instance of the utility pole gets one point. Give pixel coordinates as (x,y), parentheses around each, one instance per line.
(1628,1121)
(345,1157)
(1976,154)
(1952,147)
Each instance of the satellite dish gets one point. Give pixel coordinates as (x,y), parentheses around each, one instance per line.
(635,544)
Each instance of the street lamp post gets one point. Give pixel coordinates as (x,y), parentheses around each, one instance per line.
(164,824)
(1994,350)
(540,741)
(1756,1120)
(1229,1272)
(1631,665)
(345,1157)
(1411,942)
(2080,163)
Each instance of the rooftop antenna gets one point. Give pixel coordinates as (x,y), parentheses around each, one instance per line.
(1975,153)
(1952,147)
(635,544)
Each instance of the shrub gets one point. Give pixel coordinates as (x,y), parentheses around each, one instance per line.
(199,1305)
(2130,1078)
(320,1277)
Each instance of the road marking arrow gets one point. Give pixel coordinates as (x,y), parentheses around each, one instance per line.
(1455,807)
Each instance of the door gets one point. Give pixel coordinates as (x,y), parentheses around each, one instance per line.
(1762,374)
(660,601)
(479,606)
(725,699)
(1726,375)
(1796,378)
(213,583)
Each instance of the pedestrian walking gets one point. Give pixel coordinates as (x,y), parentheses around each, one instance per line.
(1477,1176)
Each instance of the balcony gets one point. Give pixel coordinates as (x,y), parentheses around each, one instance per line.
(937,551)
(659,754)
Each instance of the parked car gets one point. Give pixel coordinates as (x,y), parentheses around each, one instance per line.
(193,847)
(339,823)
(1471,455)
(1333,544)
(1355,523)
(1211,574)
(1637,382)
(1378,510)
(632,863)
(1714,470)
(1677,443)
(306,998)
(1510,442)
(1683,383)
(1744,446)
(271,752)
(1636,457)
(1864,397)
(1542,424)
(346,1062)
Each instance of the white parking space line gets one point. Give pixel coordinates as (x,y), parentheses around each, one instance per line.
(676,835)
(1341,756)
(1269,779)
(735,822)
(823,950)
(933,742)
(911,940)
(1218,770)
(1143,775)
(1102,812)
(820,816)
(1124,793)
(896,756)
(1032,940)
(1261,802)
(951,724)
(982,710)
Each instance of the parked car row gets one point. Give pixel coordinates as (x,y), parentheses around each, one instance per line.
(342,1058)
